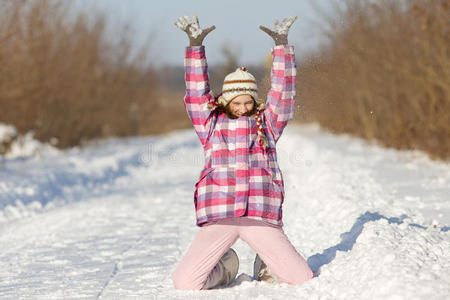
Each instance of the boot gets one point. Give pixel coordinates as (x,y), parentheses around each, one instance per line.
(261,271)
(224,272)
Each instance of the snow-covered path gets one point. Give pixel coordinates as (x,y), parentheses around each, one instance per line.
(112,221)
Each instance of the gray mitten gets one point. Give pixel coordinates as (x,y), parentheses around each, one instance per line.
(280,32)
(193,30)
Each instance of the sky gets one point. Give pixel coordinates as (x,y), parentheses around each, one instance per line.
(236,23)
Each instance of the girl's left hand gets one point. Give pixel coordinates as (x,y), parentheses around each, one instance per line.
(280,32)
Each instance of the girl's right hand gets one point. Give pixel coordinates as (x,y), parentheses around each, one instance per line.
(193,30)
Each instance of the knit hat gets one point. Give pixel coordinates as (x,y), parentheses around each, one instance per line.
(241,82)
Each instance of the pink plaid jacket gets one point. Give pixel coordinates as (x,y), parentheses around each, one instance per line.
(240,178)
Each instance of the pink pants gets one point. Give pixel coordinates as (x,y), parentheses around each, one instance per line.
(215,238)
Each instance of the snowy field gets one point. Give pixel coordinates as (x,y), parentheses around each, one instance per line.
(112,220)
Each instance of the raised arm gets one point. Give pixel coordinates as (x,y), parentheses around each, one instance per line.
(198,92)
(280,103)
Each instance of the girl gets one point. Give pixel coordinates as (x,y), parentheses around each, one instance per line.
(240,191)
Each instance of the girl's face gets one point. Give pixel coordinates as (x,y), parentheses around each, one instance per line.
(241,105)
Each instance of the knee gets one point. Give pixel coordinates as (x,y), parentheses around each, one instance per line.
(179,281)
(292,272)
(299,278)
(306,276)
(182,281)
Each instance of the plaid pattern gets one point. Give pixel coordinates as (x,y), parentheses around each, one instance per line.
(240,178)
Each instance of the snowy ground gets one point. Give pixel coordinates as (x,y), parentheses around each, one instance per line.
(112,220)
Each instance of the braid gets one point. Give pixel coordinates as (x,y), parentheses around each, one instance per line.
(263,143)
(213,102)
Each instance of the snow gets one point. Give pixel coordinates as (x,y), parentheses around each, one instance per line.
(112,220)
(7,132)
(23,146)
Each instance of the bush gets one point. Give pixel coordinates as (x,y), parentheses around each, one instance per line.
(61,77)
(384,74)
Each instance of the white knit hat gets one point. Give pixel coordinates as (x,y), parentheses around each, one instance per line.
(239,82)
